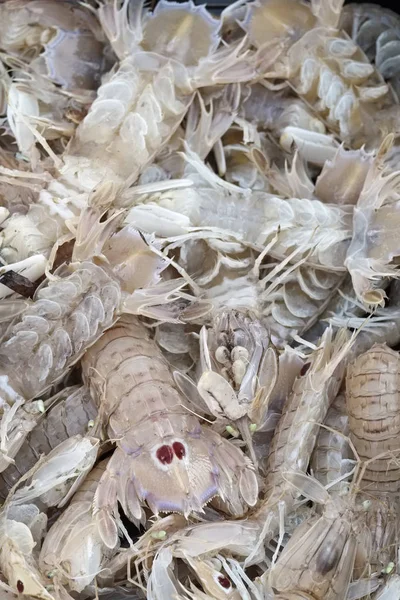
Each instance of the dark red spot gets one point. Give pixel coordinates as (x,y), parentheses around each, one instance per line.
(179,450)
(165,455)
(20,586)
(224,582)
(304,369)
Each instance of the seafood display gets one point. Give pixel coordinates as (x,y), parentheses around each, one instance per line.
(199,300)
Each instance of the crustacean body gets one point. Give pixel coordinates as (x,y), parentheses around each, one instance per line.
(164,456)
(372,399)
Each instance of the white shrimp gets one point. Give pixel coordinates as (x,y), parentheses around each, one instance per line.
(76,306)
(254,218)
(41,41)
(163,456)
(72,552)
(68,413)
(325,68)
(51,483)
(143,102)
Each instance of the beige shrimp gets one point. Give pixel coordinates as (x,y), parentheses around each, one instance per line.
(317,562)
(68,314)
(324,66)
(143,102)
(295,436)
(331,458)
(372,397)
(163,455)
(290,453)
(72,552)
(70,413)
(22,524)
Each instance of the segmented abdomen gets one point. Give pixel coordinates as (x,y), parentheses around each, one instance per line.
(134,114)
(373,404)
(71,415)
(67,315)
(377,31)
(260,217)
(333,75)
(295,436)
(328,460)
(163,454)
(128,365)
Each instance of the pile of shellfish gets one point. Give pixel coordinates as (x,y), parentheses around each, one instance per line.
(199,300)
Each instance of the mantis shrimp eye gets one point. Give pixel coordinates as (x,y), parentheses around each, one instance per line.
(20,586)
(165,455)
(304,369)
(179,450)
(224,582)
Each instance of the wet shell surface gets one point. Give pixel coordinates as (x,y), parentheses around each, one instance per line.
(199,300)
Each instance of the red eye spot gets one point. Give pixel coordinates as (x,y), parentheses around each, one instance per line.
(20,586)
(304,369)
(165,455)
(224,582)
(179,450)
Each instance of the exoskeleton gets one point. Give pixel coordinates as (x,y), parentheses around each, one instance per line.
(163,456)
(374,246)
(317,562)
(73,309)
(323,65)
(56,56)
(143,102)
(70,413)
(332,459)
(23,517)
(377,31)
(372,398)
(296,433)
(258,219)
(72,552)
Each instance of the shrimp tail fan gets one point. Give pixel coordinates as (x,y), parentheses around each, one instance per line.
(93,229)
(182,31)
(122,24)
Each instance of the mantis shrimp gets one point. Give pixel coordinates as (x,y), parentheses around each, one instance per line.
(163,456)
